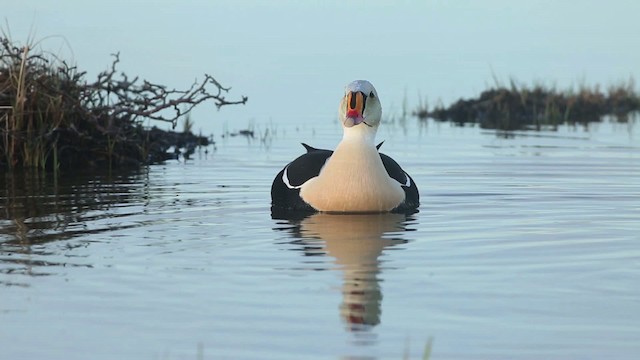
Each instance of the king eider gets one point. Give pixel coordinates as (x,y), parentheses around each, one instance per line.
(355,178)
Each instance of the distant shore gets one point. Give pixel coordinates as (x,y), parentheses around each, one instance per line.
(521,107)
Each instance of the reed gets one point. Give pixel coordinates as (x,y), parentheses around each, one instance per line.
(426,354)
(187,124)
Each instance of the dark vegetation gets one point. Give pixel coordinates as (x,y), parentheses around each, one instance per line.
(519,107)
(52,118)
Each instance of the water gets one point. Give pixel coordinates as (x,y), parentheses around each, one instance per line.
(525,247)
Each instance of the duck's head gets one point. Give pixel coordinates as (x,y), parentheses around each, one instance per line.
(360,106)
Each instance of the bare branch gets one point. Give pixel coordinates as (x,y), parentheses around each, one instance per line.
(130,98)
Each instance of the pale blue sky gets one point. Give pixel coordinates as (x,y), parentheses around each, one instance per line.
(292,58)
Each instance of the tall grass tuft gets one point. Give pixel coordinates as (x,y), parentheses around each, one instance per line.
(31,106)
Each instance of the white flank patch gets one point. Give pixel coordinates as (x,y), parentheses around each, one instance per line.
(285,179)
(408,183)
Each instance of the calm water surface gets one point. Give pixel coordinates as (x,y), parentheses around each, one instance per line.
(525,247)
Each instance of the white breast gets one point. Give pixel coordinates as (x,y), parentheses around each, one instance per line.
(353,180)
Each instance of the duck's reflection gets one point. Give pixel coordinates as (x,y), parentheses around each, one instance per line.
(356,243)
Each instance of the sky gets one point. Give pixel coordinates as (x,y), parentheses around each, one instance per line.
(293,58)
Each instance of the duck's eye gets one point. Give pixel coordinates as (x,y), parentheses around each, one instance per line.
(371,95)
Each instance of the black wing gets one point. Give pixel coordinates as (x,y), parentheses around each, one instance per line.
(411,195)
(306,166)
(285,190)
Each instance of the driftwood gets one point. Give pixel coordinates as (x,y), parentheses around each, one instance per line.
(51,117)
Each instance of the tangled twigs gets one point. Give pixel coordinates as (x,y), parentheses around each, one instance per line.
(51,117)
(135,99)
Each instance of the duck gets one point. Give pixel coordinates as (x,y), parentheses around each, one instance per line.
(353,178)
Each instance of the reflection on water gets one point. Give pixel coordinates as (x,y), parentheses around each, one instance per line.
(39,208)
(356,242)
